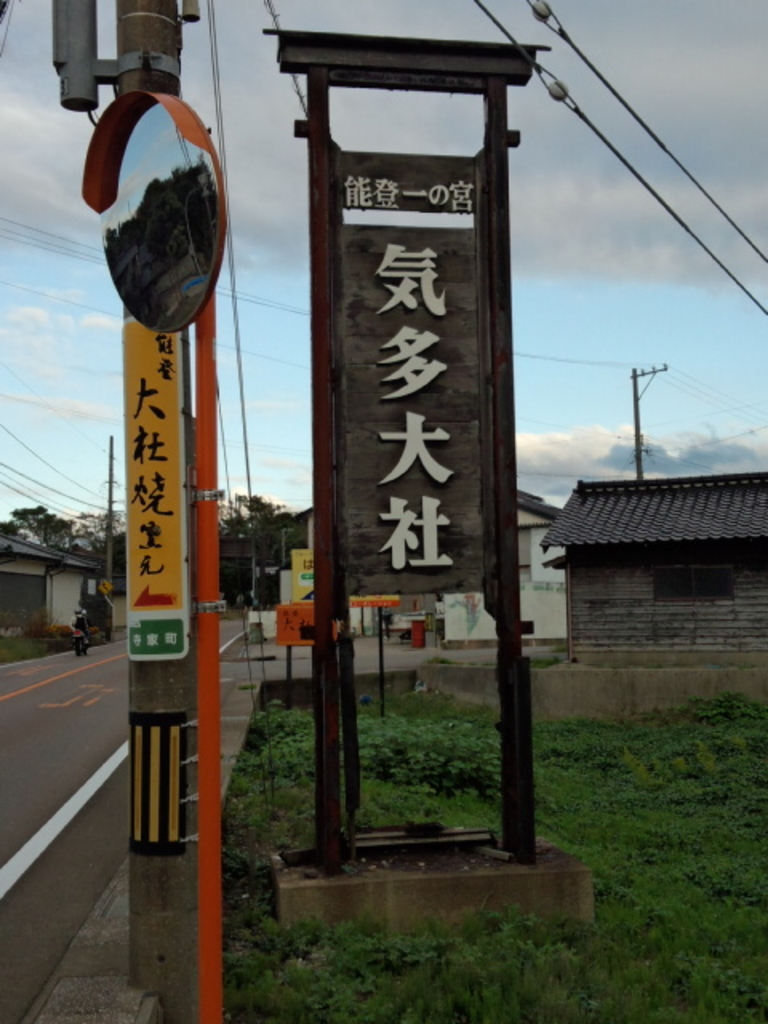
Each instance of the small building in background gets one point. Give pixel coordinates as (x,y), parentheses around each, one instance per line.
(38,580)
(461,620)
(667,571)
(542,587)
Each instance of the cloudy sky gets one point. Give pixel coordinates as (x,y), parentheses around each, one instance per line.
(604,280)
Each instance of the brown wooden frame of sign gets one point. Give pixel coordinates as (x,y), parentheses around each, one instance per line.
(430,66)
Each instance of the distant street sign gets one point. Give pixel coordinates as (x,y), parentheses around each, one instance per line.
(157,555)
(375,601)
(296,624)
(302,574)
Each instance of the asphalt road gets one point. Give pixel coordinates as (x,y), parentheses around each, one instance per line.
(61,718)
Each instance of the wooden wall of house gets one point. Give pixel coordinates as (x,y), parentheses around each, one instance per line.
(613,608)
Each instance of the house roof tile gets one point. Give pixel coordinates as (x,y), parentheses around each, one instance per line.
(667,509)
(16,547)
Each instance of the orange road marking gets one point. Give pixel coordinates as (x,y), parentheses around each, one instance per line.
(53,679)
(101,690)
(64,703)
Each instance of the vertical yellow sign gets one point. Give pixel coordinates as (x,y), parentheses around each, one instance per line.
(302,574)
(156,502)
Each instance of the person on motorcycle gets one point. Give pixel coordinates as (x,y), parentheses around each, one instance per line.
(80,621)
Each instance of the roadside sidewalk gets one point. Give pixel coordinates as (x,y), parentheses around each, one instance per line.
(90,984)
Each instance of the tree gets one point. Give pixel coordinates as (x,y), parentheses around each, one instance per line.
(39,525)
(273,531)
(87,530)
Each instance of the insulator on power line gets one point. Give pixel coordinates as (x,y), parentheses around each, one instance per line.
(558,90)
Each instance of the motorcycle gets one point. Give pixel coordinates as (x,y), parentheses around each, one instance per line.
(80,641)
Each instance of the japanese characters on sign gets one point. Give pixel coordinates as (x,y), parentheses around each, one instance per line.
(378,181)
(410,461)
(302,574)
(157,556)
(375,601)
(296,624)
(363,193)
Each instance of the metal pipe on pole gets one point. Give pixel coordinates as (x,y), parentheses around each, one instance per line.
(110,533)
(210,928)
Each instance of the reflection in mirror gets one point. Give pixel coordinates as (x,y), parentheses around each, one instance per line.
(161,234)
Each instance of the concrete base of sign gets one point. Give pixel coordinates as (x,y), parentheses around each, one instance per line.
(434,884)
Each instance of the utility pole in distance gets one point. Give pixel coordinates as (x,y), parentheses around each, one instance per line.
(636,396)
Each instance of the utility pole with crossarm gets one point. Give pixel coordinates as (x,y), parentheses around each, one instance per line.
(636,396)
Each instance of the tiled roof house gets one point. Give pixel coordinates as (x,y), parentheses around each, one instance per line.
(675,569)
(34,578)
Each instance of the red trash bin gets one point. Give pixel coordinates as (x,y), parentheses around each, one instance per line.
(417,633)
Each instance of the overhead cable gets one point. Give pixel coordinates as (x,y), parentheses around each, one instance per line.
(46,463)
(544,14)
(558,90)
(214,48)
(47,487)
(294,77)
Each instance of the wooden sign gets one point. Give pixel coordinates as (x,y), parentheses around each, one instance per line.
(296,624)
(410,410)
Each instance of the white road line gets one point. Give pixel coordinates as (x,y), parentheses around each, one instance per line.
(24,858)
(21,861)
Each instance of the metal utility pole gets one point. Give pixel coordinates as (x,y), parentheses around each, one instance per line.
(636,396)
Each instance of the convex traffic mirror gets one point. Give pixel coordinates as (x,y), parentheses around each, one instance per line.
(153,175)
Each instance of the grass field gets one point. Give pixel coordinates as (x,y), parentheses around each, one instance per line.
(669,812)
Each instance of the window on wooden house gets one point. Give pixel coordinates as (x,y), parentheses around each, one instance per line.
(693,583)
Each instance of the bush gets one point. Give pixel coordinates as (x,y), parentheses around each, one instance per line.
(57,632)
(36,624)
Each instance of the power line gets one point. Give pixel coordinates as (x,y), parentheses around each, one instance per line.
(559,91)
(6,7)
(294,77)
(47,487)
(214,48)
(45,463)
(544,14)
(59,298)
(50,234)
(15,236)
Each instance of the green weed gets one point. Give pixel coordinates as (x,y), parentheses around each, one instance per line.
(670,814)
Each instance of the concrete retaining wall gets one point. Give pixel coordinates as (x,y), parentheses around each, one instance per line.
(580,691)
(366,684)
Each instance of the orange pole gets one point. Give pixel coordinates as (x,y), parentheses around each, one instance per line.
(210,935)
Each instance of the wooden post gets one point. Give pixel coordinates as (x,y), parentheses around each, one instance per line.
(325,670)
(518,835)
